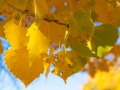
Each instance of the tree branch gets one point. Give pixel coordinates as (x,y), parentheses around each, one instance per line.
(26,12)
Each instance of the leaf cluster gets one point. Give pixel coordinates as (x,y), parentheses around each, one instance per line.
(59,33)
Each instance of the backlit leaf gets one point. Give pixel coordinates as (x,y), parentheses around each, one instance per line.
(16,35)
(20,4)
(103,50)
(18,63)
(53,31)
(104,35)
(41,9)
(38,43)
(80,23)
(80,48)
(67,65)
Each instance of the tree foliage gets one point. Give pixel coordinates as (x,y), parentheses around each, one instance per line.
(59,33)
(111,81)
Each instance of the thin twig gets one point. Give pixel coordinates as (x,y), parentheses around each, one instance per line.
(27,12)
(56,21)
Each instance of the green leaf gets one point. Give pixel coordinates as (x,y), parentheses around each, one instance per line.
(79,48)
(104,35)
(82,50)
(68,65)
(81,23)
(103,50)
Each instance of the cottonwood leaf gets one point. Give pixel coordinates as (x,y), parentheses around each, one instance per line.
(18,63)
(53,31)
(19,4)
(41,9)
(37,7)
(103,50)
(104,35)
(16,35)
(48,61)
(67,65)
(81,23)
(12,14)
(38,43)
(80,48)
(107,11)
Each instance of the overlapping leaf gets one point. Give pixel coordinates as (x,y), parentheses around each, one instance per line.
(104,35)
(41,7)
(67,64)
(57,22)
(12,13)
(19,4)
(54,32)
(81,25)
(102,10)
(80,48)
(38,43)
(18,63)
(16,35)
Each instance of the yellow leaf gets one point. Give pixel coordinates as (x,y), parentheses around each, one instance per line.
(30,7)
(103,50)
(104,80)
(16,35)
(48,61)
(11,13)
(38,43)
(53,31)
(47,68)
(41,9)
(18,63)
(67,65)
(20,4)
